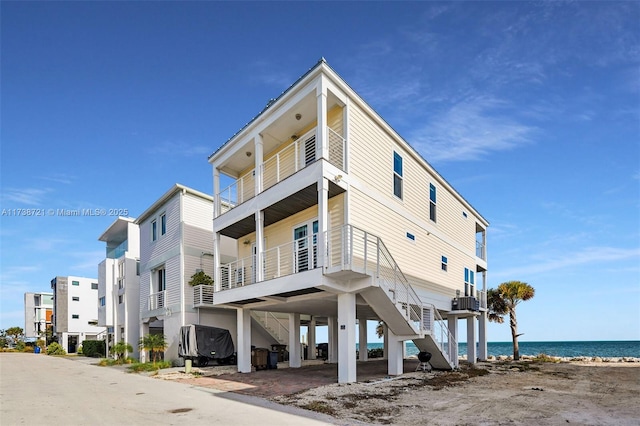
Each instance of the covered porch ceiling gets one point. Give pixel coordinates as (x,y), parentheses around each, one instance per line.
(294,121)
(297,202)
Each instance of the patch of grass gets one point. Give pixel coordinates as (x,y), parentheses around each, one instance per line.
(149,366)
(109,362)
(382,415)
(545,358)
(319,407)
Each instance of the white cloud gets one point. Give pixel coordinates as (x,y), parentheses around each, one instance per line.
(181,149)
(47,244)
(59,178)
(87,262)
(470,130)
(26,196)
(589,255)
(10,273)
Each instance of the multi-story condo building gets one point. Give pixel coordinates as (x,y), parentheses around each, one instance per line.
(175,243)
(119,284)
(38,310)
(75,311)
(336,217)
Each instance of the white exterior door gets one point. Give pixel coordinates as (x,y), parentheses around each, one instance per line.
(305,259)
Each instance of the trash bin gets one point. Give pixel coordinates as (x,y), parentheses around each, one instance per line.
(259,358)
(282,352)
(36,350)
(272,360)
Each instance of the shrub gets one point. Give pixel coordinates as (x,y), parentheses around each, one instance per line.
(79,351)
(94,348)
(149,366)
(545,358)
(200,278)
(121,348)
(55,349)
(28,349)
(376,353)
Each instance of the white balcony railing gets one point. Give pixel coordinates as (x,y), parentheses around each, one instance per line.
(482,297)
(157,300)
(280,166)
(203,295)
(293,257)
(480,250)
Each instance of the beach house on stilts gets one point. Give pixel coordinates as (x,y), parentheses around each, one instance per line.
(338,220)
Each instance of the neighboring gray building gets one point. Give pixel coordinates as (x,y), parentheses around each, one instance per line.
(75,311)
(38,310)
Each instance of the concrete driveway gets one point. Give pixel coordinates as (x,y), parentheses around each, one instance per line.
(41,389)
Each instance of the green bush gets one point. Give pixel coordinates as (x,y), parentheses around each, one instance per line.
(200,278)
(94,348)
(55,349)
(109,362)
(149,366)
(79,351)
(375,353)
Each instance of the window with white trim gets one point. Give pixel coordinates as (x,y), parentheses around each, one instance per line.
(469,282)
(397,175)
(432,202)
(154,230)
(163,224)
(444,264)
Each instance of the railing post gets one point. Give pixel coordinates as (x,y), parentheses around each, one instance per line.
(351,246)
(278,261)
(377,257)
(366,240)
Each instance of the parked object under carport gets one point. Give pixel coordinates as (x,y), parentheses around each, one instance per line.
(202,343)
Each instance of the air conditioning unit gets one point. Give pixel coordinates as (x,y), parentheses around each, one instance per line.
(468,303)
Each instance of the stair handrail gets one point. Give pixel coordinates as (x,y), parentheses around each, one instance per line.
(269,315)
(413,312)
(375,254)
(451,349)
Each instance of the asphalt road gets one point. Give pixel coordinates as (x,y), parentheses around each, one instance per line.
(41,389)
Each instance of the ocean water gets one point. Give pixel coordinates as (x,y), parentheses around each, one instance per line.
(606,349)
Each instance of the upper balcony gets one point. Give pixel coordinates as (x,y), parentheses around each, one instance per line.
(118,251)
(290,158)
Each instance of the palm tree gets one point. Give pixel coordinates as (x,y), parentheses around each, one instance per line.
(153,343)
(503,300)
(121,348)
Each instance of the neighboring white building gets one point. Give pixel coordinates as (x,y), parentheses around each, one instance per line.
(175,242)
(38,310)
(119,284)
(75,311)
(336,217)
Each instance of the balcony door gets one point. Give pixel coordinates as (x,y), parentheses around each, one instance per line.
(302,240)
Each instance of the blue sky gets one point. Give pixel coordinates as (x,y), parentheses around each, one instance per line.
(531,111)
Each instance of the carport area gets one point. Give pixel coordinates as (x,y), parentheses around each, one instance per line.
(284,380)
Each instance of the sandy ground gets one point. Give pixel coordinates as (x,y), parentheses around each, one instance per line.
(491,393)
(498,392)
